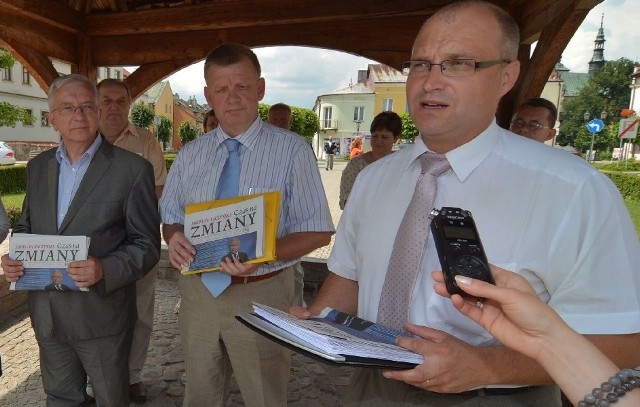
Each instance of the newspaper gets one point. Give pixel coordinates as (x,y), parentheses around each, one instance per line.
(336,332)
(45,259)
(242,227)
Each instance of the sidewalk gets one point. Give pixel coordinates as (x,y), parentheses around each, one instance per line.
(311,383)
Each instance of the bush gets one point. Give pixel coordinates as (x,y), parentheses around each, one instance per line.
(169,159)
(628,184)
(14,215)
(625,165)
(13,179)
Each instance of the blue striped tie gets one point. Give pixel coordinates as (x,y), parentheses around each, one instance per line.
(228,183)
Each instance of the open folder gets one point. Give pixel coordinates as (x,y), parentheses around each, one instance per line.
(333,337)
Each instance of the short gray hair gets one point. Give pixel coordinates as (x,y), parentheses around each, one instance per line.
(67,79)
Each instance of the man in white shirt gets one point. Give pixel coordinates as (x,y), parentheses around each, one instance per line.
(547,216)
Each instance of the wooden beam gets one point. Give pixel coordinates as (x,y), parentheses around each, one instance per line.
(42,38)
(355,37)
(85,64)
(40,67)
(54,13)
(148,75)
(242,13)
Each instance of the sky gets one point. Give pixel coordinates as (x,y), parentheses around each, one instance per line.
(298,75)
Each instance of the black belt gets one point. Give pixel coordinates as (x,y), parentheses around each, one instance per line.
(497,391)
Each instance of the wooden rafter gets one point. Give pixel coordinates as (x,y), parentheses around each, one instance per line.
(39,65)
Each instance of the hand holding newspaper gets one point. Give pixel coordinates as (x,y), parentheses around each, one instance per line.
(45,259)
(334,336)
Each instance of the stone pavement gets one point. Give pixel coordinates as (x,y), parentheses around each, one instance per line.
(311,383)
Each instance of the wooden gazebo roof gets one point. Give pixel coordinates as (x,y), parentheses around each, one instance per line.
(164,36)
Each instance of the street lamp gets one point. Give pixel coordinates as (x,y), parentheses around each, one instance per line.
(586,116)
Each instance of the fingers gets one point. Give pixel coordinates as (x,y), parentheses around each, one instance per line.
(181,252)
(236,268)
(300,312)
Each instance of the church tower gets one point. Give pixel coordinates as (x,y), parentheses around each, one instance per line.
(597,60)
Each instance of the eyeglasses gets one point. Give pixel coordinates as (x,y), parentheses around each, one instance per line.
(449,67)
(69,110)
(121,103)
(531,126)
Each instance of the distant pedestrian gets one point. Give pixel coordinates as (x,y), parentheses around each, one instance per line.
(330,148)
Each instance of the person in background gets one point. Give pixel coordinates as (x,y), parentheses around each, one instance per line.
(356,148)
(114,124)
(385,129)
(280,116)
(514,314)
(88,187)
(535,119)
(463,60)
(5,224)
(264,158)
(210,121)
(330,149)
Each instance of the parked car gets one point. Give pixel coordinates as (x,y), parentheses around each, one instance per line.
(7,157)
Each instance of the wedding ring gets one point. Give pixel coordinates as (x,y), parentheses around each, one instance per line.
(480,303)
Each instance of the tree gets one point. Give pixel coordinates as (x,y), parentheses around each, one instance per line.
(10,115)
(164,130)
(142,115)
(187,132)
(607,90)
(409,130)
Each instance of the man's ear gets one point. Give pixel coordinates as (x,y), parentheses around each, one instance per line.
(510,76)
(550,134)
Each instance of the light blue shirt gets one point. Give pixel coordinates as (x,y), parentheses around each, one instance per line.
(271,159)
(71,174)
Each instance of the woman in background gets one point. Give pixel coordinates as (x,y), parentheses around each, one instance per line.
(386,128)
(356,148)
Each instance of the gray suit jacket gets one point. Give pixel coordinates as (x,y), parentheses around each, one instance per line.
(116,206)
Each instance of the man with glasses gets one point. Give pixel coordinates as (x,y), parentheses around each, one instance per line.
(463,61)
(535,119)
(87,187)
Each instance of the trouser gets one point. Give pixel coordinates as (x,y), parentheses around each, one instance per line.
(145,302)
(298,276)
(329,164)
(65,365)
(369,388)
(215,343)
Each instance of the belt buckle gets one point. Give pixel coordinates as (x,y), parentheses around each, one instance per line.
(245,280)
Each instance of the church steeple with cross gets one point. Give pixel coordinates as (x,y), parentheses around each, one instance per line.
(597,60)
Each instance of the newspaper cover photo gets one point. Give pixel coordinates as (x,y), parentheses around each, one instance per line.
(45,259)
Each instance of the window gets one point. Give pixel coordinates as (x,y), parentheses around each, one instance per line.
(326,123)
(26,78)
(44,119)
(387,105)
(30,113)
(358,114)
(117,75)
(108,72)
(6,74)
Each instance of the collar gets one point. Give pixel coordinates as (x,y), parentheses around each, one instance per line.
(61,152)
(467,157)
(247,138)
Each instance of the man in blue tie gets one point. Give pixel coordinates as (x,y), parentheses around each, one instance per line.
(241,156)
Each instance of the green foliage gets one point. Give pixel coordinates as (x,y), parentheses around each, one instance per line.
(6,59)
(187,132)
(625,165)
(305,122)
(169,159)
(13,213)
(263,111)
(608,90)
(164,130)
(13,179)
(141,115)
(628,184)
(10,115)
(409,130)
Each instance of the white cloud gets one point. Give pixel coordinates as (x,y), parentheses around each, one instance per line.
(298,75)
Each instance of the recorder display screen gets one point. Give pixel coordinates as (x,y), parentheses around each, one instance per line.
(458,232)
